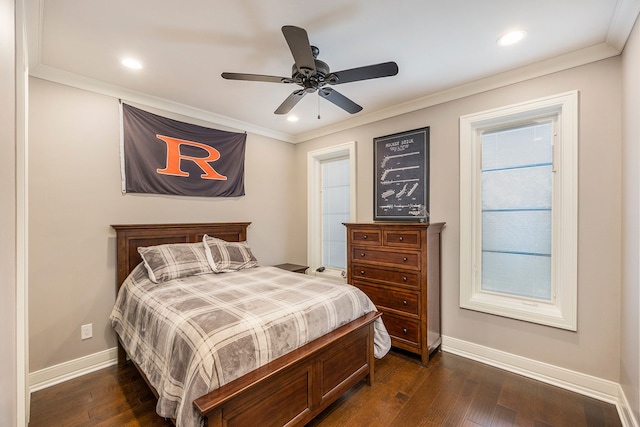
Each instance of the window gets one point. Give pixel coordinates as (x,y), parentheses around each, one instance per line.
(516,195)
(335,211)
(518,211)
(331,181)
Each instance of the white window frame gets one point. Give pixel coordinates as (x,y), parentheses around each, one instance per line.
(314,203)
(561,311)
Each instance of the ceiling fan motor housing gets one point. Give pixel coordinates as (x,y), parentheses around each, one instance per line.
(314,80)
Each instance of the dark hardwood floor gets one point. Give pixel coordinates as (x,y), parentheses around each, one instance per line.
(452,391)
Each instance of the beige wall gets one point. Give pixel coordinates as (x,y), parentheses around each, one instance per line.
(630,320)
(595,348)
(8,284)
(74,195)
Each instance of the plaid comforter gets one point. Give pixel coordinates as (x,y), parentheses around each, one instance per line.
(192,335)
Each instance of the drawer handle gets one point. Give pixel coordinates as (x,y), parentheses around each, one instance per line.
(362,254)
(365,237)
(404,330)
(401,238)
(404,302)
(405,259)
(404,279)
(361,271)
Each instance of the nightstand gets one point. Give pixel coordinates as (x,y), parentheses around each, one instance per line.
(293,267)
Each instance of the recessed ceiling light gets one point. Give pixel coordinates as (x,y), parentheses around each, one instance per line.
(512,37)
(292,118)
(132,63)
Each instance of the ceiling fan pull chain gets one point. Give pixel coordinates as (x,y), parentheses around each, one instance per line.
(318,107)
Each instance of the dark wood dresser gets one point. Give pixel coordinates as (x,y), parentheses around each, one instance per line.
(398,266)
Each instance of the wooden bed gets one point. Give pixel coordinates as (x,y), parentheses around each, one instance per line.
(292,389)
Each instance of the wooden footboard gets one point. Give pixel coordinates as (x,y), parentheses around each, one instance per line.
(293,389)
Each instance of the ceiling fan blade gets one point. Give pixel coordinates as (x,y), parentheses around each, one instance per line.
(291,101)
(385,69)
(257,78)
(339,99)
(298,42)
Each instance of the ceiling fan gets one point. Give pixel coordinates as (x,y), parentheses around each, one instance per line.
(313,75)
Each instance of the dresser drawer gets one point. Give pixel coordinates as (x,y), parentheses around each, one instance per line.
(400,259)
(402,238)
(402,328)
(405,302)
(408,278)
(362,236)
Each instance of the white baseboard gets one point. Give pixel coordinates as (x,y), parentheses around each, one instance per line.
(605,390)
(626,415)
(57,374)
(598,388)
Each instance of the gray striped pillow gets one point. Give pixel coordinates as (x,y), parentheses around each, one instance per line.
(226,256)
(172,261)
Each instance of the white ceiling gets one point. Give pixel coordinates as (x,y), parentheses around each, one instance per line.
(443,49)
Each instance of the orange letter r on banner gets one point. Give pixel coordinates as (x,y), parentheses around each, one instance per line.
(174,157)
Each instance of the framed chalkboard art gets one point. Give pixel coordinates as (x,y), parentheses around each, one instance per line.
(401,180)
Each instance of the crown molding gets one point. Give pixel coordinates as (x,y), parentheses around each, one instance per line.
(92,85)
(622,22)
(538,69)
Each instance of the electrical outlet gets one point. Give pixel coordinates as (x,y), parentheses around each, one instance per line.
(86,331)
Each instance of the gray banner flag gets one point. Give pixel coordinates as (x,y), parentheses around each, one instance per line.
(166,156)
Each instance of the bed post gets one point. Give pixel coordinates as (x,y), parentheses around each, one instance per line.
(370,354)
(122,355)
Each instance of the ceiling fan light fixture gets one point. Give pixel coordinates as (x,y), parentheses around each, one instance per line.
(512,37)
(292,118)
(131,63)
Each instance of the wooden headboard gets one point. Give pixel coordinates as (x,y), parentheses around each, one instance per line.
(130,237)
